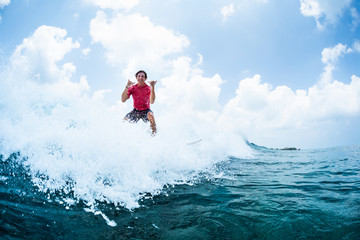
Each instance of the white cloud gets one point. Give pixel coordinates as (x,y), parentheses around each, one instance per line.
(188,102)
(114,4)
(355,18)
(324,11)
(357,46)
(330,57)
(86,51)
(200,60)
(267,114)
(99,94)
(40,53)
(227,11)
(4,3)
(134,40)
(187,90)
(310,8)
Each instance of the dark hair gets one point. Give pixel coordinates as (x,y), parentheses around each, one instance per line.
(141,71)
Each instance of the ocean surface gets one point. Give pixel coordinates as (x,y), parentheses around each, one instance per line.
(266,194)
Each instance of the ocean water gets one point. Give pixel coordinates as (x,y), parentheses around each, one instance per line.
(272,194)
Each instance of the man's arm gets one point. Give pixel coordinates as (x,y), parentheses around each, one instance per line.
(124,95)
(152,93)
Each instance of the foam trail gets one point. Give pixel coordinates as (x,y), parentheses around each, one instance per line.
(109,222)
(80,146)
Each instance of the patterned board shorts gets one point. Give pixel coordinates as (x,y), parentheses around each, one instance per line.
(135,115)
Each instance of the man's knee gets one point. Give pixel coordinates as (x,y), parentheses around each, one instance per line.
(150,116)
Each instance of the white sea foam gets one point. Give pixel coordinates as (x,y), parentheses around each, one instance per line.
(76,143)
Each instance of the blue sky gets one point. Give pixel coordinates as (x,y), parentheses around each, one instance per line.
(306,47)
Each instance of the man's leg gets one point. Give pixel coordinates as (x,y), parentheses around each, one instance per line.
(151,118)
(132,117)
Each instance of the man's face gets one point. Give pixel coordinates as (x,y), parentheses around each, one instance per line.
(141,77)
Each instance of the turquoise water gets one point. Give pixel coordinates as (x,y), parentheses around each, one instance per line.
(274,194)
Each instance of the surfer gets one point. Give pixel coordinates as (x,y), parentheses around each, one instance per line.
(143,95)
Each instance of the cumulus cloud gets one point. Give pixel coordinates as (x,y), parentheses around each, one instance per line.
(4,3)
(227,11)
(310,8)
(186,89)
(324,11)
(267,114)
(40,53)
(330,57)
(188,102)
(114,4)
(134,40)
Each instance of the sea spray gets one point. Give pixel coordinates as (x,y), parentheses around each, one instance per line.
(74,143)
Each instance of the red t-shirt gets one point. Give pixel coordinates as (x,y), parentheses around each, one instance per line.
(141,96)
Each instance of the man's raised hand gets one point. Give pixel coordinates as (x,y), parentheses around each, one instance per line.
(152,83)
(129,83)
